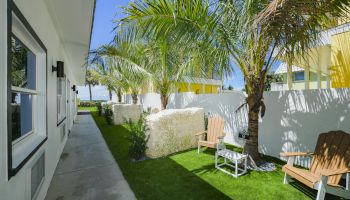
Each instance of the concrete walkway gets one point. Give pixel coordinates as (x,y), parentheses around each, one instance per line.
(87,169)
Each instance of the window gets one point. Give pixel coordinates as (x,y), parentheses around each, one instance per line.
(22,89)
(37,175)
(299,76)
(61,100)
(26,91)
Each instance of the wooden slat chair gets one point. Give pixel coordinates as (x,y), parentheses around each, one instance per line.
(215,133)
(330,162)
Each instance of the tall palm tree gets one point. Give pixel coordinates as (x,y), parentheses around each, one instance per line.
(253,32)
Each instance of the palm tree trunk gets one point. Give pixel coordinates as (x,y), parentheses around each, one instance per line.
(254,101)
(110,94)
(164,100)
(119,94)
(134,98)
(90,92)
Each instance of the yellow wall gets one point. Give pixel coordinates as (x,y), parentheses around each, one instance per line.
(340,69)
(196,88)
(183,87)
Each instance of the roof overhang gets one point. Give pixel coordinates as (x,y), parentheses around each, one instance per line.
(73,20)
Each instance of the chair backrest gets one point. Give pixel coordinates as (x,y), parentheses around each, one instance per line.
(215,128)
(332,152)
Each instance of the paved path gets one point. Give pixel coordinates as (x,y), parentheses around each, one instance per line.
(87,169)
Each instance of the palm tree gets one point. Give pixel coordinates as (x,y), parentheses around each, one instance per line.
(125,61)
(108,77)
(91,80)
(253,32)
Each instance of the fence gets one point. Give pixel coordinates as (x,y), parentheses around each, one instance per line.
(292,122)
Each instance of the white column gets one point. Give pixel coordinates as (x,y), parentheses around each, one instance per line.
(289,76)
(307,78)
(203,88)
(328,81)
(319,83)
(189,87)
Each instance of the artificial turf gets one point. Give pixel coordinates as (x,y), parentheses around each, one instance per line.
(187,175)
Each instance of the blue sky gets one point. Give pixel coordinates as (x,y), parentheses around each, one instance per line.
(106,12)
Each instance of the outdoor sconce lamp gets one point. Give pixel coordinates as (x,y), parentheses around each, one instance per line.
(59,69)
(74,88)
(77,92)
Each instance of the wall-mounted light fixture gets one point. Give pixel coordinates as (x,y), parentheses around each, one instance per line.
(77,92)
(59,69)
(74,87)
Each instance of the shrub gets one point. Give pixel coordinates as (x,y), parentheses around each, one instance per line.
(137,138)
(99,108)
(108,114)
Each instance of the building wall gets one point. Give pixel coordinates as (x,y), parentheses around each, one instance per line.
(340,70)
(300,85)
(18,187)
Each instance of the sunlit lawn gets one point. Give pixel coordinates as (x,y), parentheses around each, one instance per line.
(187,175)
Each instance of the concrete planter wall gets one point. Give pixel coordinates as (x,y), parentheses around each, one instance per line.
(122,112)
(173,130)
(104,104)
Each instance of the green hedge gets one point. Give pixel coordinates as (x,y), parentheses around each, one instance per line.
(90,103)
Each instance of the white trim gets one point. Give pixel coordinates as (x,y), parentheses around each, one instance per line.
(24,90)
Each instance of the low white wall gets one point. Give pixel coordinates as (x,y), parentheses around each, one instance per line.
(292,122)
(150,100)
(173,130)
(294,119)
(123,112)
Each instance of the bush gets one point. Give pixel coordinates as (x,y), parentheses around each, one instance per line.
(99,109)
(89,103)
(108,114)
(137,138)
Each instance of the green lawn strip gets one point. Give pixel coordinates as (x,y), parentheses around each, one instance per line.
(88,108)
(187,175)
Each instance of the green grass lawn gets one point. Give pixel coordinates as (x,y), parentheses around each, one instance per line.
(187,175)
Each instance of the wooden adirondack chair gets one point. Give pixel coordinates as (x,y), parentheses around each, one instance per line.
(215,133)
(330,162)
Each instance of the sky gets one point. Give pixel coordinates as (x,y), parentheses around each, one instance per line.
(106,12)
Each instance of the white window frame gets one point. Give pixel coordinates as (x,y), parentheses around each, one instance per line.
(23,147)
(61,100)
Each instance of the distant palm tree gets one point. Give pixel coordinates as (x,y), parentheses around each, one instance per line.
(90,80)
(253,32)
(125,67)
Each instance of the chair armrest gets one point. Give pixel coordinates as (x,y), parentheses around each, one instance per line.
(200,133)
(331,172)
(289,154)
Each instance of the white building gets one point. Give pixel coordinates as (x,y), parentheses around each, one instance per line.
(37,109)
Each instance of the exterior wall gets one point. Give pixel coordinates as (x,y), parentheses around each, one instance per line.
(300,85)
(197,88)
(294,119)
(18,187)
(340,70)
(183,87)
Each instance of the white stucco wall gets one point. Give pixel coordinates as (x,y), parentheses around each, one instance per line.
(292,122)
(18,187)
(294,119)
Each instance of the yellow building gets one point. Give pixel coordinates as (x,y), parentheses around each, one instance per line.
(331,59)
